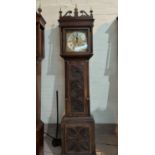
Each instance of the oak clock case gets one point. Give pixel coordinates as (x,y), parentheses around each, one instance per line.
(77,125)
(40,24)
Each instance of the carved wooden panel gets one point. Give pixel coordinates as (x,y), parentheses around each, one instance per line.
(76,84)
(78,139)
(77,91)
(78,136)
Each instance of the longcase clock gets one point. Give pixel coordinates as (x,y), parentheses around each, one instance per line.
(40,24)
(76,44)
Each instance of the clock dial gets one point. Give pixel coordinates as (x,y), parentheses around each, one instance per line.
(76,41)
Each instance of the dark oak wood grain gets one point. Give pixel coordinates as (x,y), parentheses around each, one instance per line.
(40,23)
(77,125)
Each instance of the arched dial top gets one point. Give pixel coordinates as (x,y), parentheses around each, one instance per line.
(76,41)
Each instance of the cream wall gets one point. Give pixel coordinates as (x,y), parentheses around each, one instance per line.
(103,65)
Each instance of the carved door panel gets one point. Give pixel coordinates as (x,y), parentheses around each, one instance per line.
(77,88)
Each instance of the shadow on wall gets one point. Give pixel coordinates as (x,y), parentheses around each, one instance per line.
(110,111)
(104,63)
(53,75)
(54,71)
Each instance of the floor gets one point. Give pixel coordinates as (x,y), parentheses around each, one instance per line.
(106,140)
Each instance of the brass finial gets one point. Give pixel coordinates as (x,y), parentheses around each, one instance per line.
(39,10)
(91,12)
(76,11)
(60,13)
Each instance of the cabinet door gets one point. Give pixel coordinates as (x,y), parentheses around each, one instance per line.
(77,88)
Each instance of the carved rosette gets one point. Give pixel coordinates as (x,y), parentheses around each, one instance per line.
(78,139)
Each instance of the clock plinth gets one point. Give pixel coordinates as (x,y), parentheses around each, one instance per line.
(78,135)
(77,126)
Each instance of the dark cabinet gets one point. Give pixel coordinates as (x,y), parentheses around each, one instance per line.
(40,24)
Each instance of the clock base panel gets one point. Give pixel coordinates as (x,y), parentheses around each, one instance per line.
(78,135)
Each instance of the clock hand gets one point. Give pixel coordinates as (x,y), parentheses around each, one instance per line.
(77,39)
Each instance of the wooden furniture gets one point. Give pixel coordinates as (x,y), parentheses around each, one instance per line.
(76,42)
(40,23)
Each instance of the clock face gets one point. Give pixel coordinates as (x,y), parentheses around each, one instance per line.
(76,41)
